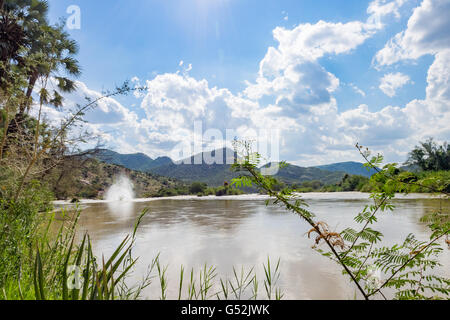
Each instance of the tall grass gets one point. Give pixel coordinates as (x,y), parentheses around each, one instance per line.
(42,259)
(61,269)
(204,284)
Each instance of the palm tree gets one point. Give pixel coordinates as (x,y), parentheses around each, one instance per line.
(48,56)
(52,53)
(19,19)
(430,157)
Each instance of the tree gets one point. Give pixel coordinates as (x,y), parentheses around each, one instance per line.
(53,52)
(19,21)
(430,157)
(353,182)
(40,53)
(198,187)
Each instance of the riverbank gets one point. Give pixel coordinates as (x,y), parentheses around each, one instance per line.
(305,196)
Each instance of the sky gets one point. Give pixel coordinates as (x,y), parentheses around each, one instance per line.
(305,79)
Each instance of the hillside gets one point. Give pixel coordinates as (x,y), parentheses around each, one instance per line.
(213,174)
(90,179)
(137,161)
(354,168)
(188,171)
(293,174)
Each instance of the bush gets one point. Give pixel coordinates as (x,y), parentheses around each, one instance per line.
(221,191)
(198,187)
(19,226)
(88,193)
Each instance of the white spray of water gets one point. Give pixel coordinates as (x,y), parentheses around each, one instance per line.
(121,190)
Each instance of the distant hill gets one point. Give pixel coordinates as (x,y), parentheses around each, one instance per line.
(137,161)
(411,168)
(216,174)
(198,168)
(293,174)
(354,168)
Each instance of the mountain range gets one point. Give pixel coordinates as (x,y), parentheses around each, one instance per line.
(216,174)
(137,161)
(354,168)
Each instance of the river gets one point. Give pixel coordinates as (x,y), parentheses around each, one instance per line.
(242,231)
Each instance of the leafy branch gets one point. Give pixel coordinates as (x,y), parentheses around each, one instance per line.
(357,252)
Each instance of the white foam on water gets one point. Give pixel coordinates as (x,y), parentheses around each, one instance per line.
(306,196)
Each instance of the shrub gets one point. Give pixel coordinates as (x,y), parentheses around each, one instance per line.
(198,187)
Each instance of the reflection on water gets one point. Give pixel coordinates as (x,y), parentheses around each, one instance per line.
(120,210)
(227,233)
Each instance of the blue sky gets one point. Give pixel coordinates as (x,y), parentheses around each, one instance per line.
(327,74)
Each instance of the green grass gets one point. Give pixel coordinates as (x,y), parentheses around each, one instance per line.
(49,264)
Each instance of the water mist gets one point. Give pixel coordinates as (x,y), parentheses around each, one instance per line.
(121,190)
(120,197)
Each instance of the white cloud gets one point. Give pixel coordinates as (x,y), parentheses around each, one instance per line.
(174,102)
(357,90)
(312,41)
(290,73)
(427,33)
(378,9)
(432,115)
(396,130)
(393,81)
(374,128)
(439,77)
(294,93)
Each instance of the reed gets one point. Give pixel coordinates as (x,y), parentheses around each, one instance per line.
(82,277)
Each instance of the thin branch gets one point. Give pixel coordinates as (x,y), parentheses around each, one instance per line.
(365,226)
(312,223)
(406,263)
(393,178)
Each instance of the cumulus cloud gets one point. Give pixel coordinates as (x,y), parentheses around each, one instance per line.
(290,73)
(393,81)
(300,88)
(312,41)
(174,102)
(311,103)
(431,116)
(381,8)
(375,128)
(295,94)
(427,33)
(439,77)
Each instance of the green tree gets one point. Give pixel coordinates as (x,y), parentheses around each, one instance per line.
(198,187)
(353,182)
(40,53)
(19,21)
(53,54)
(430,156)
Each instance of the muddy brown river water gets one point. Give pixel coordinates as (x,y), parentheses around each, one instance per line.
(243,231)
